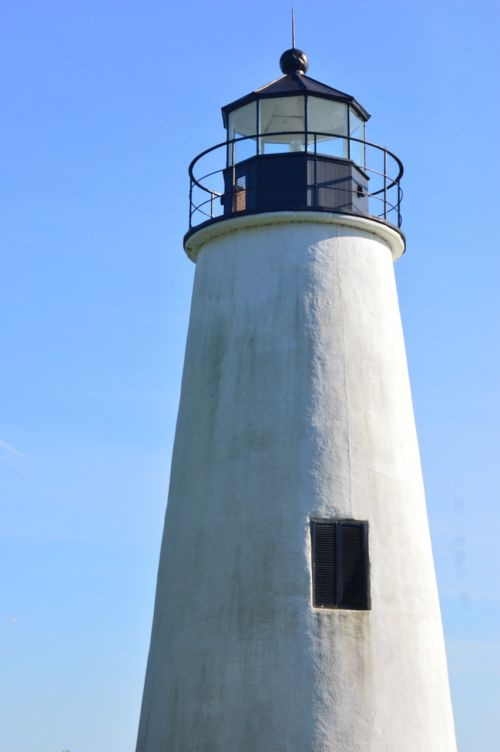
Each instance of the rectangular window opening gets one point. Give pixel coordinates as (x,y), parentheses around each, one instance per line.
(340,564)
(240,194)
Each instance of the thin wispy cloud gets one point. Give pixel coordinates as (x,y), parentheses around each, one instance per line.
(7,451)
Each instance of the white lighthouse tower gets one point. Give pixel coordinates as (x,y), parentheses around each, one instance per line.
(296,606)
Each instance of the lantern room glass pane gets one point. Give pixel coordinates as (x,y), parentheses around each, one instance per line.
(325,117)
(357,130)
(284,117)
(242,123)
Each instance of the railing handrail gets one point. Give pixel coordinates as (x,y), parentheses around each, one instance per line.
(231,141)
(384,181)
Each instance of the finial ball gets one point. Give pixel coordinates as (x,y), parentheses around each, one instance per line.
(294,61)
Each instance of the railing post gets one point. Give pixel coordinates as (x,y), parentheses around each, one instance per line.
(233,178)
(315,170)
(385,184)
(348,133)
(190,203)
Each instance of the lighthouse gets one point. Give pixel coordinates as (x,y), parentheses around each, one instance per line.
(296,605)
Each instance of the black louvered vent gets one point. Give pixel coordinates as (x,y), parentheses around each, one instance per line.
(324,564)
(340,564)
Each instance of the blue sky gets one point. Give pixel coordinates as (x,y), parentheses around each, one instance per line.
(104,105)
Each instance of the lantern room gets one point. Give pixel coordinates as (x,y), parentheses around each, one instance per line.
(295,113)
(295,144)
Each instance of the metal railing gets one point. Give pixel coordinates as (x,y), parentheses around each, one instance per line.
(383,170)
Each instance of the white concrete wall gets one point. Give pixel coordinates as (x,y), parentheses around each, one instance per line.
(295,403)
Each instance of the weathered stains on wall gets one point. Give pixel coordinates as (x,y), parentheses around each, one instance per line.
(295,403)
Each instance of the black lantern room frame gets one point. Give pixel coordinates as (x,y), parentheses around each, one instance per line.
(295,145)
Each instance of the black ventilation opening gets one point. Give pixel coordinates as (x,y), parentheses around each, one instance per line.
(340,564)
(240,194)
